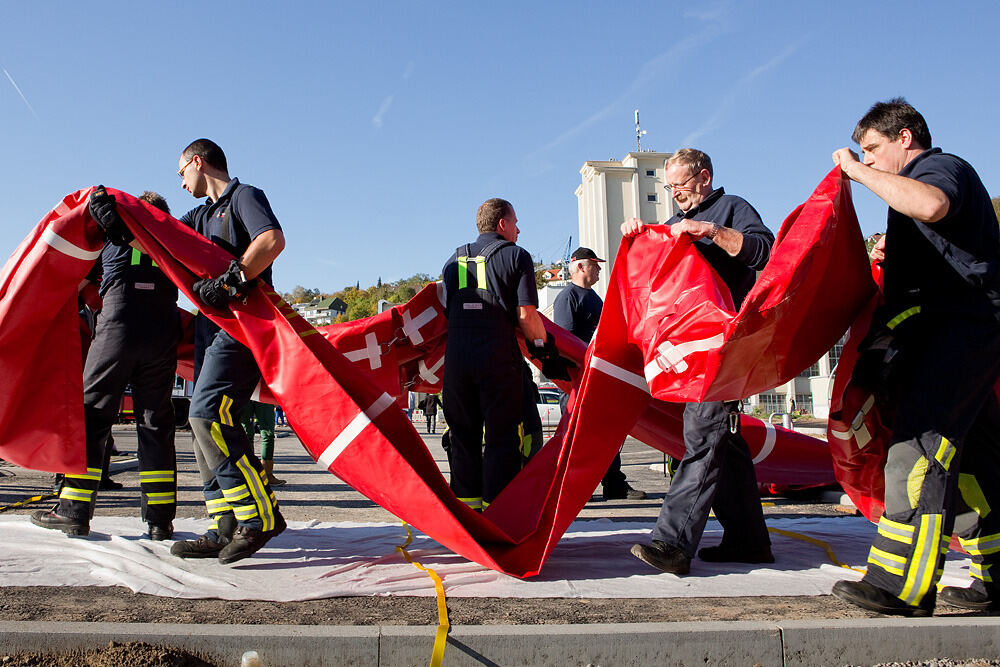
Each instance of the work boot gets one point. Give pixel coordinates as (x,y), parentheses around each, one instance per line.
(865,595)
(968,598)
(727,553)
(205,546)
(248,541)
(55,521)
(158,532)
(662,556)
(271,479)
(625,492)
(108,484)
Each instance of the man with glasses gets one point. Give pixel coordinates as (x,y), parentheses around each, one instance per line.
(578,310)
(716,472)
(239,499)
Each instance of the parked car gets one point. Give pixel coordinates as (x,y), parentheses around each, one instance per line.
(548,407)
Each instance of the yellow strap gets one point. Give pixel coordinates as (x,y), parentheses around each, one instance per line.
(27,501)
(441,636)
(905,315)
(819,543)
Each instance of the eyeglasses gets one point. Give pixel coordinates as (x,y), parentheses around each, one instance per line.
(679,186)
(180,172)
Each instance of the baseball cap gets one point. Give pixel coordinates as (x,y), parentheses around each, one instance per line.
(585,253)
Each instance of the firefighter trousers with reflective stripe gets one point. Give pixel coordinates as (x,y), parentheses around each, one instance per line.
(482,395)
(232,475)
(717,474)
(135,344)
(942,471)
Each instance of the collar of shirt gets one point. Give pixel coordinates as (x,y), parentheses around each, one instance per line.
(708,201)
(912,164)
(225,193)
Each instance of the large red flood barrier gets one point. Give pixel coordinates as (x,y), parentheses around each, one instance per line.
(338,386)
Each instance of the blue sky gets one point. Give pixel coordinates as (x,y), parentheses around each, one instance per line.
(376,129)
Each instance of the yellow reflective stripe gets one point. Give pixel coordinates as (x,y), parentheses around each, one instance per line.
(165,498)
(310,332)
(463,269)
(481,272)
(82,495)
(981,571)
(889,562)
(973,494)
(137,257)
(236,493)
(259,492)
(217,438)
(945,453)
(923,563)
(903,316)
(915,481)
(156,473)
(441,636)
(899,532)
(91,474)
(153,477)
(225,416)
(217,506)
(983,545)
(245,512)
(474,503)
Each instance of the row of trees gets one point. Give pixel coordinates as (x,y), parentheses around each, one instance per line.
(364,302)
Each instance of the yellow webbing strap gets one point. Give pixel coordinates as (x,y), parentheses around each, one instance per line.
(818,543)
(28,501)
(441,636)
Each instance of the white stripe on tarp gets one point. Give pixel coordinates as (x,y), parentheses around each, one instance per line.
(770,436)
(255,396)
(353,430)
(67,248)
(619,373)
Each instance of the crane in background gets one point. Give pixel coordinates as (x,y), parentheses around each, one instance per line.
(564,272)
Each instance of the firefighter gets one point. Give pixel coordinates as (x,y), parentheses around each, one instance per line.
(490,288)
(135,342)
(238,497)
(939,333)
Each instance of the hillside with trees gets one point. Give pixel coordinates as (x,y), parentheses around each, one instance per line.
(363,302)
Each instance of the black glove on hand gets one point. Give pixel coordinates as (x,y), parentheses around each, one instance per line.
(554,366)
(104,211)
(218,292)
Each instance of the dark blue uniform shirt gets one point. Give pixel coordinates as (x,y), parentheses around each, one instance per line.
(510,274)
(249,215)
(578,309)
(950,265)
(739,272)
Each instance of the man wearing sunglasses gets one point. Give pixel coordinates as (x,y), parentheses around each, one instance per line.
(716,472)
(239,500)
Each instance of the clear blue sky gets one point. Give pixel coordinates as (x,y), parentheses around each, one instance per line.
(376,129)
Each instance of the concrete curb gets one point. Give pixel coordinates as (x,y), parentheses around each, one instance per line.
(787,643)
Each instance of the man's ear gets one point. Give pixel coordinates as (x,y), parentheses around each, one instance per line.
(906,138)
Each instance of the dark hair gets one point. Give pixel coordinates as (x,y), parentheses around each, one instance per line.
(155,199)
(692,158)
(208,151)
(490,212)
(892,117)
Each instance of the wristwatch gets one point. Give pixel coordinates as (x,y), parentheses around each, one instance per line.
(712,234)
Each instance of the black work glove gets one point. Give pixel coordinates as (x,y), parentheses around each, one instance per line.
(229,286)
(554,366)
(104,211)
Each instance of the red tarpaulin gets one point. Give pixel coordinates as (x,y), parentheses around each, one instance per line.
(337,386)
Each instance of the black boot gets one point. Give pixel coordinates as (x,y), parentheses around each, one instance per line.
(662,556)
(205,546)
(969,598)
(55,521)
(248,541)
(160,532)
(865,595)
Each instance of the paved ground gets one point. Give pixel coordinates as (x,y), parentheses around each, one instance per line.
(312,493)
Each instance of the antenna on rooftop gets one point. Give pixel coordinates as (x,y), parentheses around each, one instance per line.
(638,133)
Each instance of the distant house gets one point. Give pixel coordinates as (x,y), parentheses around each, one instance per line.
(321,312)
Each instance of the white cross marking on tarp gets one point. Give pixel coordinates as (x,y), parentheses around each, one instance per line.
(411,327)
(770,436)
(672,356)
(370,351)
(354,429)
(429,373)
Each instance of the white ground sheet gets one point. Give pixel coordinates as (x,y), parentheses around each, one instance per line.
(323,559)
